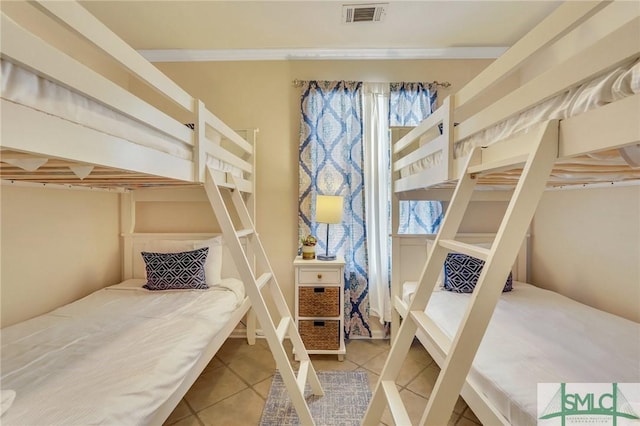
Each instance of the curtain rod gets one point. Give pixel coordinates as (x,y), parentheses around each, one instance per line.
(444,84)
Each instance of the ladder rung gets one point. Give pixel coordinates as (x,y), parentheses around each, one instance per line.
(226,185)
(427,325)
(499,165)
(470,249)
(244,232)
(283,328)
(303,371)
(263,279)
(396,406)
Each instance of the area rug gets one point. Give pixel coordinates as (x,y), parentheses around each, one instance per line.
(345,400)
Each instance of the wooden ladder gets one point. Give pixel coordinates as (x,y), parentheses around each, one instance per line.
(275,335)
(537,157)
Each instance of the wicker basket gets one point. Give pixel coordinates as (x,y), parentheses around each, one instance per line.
(320,334)
(319,302)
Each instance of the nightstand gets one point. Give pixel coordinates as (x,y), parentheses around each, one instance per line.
(319,305)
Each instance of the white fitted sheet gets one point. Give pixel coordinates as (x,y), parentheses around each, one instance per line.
(538,336)
(113,357)
(21,86)
(614,85)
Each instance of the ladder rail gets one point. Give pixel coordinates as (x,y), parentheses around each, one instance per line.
(258,303)
(428,277)
(485,297)
(499,258)
(259,251)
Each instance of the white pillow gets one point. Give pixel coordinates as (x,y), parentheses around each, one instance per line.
(213,265)
(168,246)
(6,399)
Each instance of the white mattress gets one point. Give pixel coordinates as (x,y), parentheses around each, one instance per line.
(111,358)
(538,336)
(23,87)
(614,85)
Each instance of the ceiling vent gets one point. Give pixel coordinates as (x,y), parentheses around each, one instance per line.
(373,12)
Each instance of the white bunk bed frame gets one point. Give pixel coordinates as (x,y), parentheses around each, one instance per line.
(28,133)
(136,240)
(595,47)
(599,48)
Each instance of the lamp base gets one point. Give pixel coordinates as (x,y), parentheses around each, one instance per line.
(324,257)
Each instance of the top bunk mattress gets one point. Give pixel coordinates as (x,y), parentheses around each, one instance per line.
(113,357)
(616,84)
(539,336)
(23,87)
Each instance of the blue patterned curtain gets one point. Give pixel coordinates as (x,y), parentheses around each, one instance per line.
(409,104)
(331,163)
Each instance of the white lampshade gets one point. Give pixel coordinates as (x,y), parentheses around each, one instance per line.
(328,208)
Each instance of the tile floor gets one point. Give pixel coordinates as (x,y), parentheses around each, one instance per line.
(233,388)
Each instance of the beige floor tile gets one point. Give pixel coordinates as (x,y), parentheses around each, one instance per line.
(424,382)
(453,419)
(188,421)
(244,408)
(419,354)
(233,348)
(181,411)
(460,406)
(463,421)
(409,371)
(214,363)
(213,386)
(415,362)
(263,387)
(414,404)
(469,414)
(254,368)
(332,364)
(360,351)
(376,363)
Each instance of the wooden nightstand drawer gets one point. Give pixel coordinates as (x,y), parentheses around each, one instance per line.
(319,302)
(323,335)
(319,276)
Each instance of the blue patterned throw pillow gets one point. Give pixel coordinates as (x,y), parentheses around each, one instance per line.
(173,271)
(461,273)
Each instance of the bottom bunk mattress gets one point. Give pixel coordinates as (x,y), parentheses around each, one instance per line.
(538,336)
(113,357)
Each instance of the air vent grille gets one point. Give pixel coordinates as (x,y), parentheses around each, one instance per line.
(373,12)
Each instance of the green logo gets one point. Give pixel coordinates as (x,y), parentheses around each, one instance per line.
(583,405)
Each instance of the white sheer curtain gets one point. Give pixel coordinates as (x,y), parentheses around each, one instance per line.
(377,185)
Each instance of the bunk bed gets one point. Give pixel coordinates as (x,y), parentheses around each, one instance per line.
(78,365)
(81,108)
(578,83)
(66,125)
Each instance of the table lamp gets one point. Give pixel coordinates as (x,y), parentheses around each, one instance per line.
(328,210)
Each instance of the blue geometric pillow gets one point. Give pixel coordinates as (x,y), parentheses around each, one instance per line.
(461,273)
(172,271)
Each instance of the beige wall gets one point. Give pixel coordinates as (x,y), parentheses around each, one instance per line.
(261,95)
(57,246)
(586,245)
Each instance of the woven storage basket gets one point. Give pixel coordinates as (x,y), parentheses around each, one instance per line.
(319,301)
(320,334)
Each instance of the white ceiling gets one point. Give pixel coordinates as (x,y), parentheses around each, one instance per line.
(301,25)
